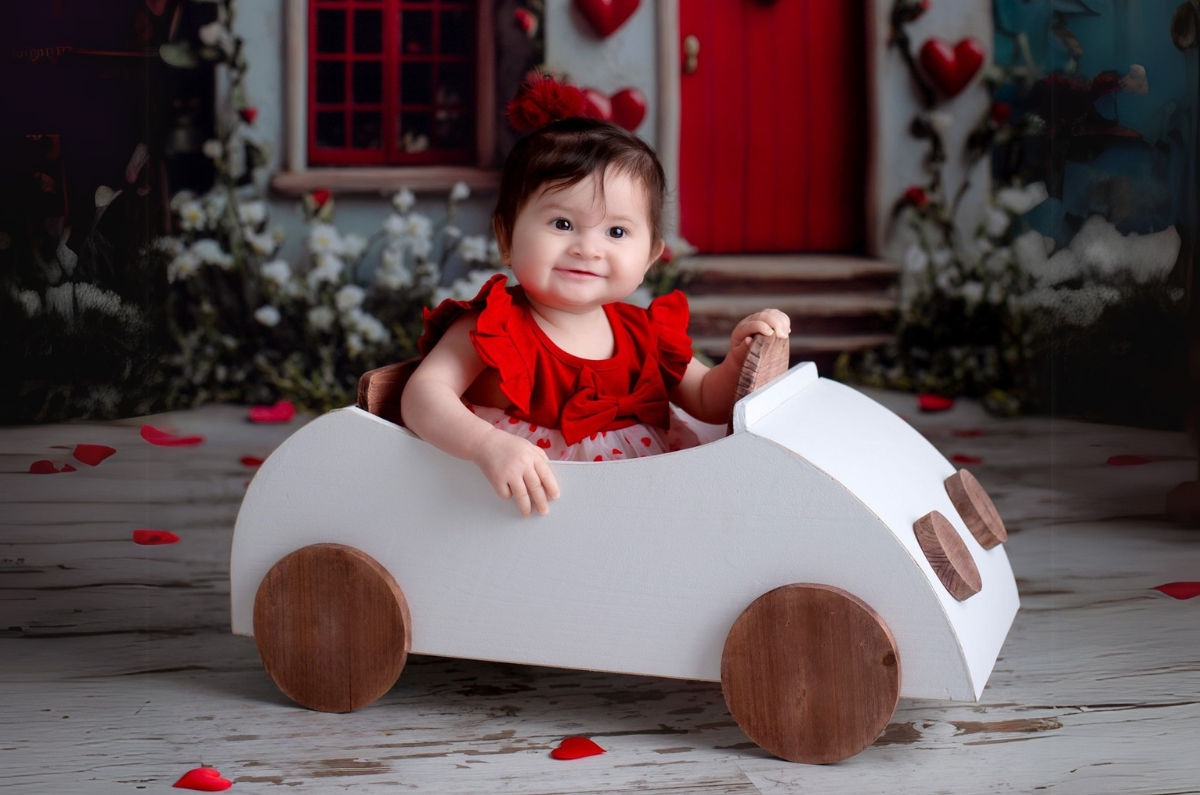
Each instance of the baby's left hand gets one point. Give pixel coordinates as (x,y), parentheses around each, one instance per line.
(768,322)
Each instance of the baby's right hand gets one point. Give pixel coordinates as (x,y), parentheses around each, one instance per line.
(517,470)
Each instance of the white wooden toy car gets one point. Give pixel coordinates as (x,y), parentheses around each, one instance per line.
(820,562)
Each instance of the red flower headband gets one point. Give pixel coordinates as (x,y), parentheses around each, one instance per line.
(543,100)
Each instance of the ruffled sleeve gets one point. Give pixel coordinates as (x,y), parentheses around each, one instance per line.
(669,316)
(492,337)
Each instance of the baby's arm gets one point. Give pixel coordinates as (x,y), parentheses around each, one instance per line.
(432,409)
(707,394)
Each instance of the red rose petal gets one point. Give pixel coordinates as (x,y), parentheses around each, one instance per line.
(163,439)
(967,433)
(963,458)
(282,411)
(930,402)
(1127,460)
(576,748)
(151,538)
(204,779)
(67,468)
(1180,590)
(43,467)
(251,461)
(92,454)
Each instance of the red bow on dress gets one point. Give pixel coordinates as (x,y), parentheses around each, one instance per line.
(587,411)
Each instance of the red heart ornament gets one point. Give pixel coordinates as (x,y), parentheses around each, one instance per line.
(605,16)
(576,748)
(153,538)
(629,108)
(92,454)
(951,68)
(163,439)
(282,411)
(596,105)
(204,779)
(1180,590)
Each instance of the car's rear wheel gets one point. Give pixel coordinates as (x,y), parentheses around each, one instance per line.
(332,627)
(810,673)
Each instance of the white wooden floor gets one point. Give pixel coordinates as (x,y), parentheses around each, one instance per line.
(119,672)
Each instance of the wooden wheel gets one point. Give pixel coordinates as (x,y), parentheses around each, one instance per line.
(810,673)
(332,627)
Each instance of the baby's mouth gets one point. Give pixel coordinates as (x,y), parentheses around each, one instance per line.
(579,274)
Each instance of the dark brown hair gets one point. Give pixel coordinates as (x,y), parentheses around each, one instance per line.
(563,154)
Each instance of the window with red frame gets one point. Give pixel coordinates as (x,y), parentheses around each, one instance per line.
(391,82)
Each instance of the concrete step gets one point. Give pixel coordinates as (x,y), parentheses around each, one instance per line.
(826,313)
(783,273)
(802,345)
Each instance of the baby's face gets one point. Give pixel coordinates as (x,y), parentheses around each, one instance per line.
(576,249)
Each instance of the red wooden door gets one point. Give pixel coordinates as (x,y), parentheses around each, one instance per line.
(773,138)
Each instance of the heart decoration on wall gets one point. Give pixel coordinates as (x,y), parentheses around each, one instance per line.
(605,16)
(951,68)
(626,107)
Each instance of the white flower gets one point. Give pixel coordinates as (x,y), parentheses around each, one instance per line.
(209,252)
(452,232)
(403,200)
(267,315)
(460,191)
(367,325)
(324,239)
(995,221)
(321,318)
(65,256)
(191,216)
(972,291)
(252,213)
(349,297)
(183,266)
(394,276)
(30,301)
(354,344)
(352,246)
(915,260)
(215,204)
(181,198)
(60,301)
(90,297)
(1019,201)
(212,149)
(329,269)
(467,287)
(171,245)
(474,248)
(210,34)
(941,257)
(263,244)
(420,246)
(278,272)
(940,121)
(105,196)
(1030,252)
(493,253)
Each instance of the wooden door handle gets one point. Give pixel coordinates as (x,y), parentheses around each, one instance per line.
(691,54)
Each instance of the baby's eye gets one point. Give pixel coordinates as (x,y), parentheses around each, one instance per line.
(561,224)
(618,232)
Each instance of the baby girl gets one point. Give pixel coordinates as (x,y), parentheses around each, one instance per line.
(558,367)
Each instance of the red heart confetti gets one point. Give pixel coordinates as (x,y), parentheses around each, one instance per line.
(152,538)
(204,779)
(163,439)
(930,402)
(282,411)
(963,458)
(92,454)
(43,467)
(576,748)
(1127,460)
(1180,590)
(967,433)
(251,461)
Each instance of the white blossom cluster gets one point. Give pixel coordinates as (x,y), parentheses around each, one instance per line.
(203,222)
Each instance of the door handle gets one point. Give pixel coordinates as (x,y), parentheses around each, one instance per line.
(691,54)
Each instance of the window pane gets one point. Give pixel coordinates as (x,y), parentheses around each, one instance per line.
(331,30)
(416,83)
(331,130)
(368,130)
(368,81)
(415,129)
(454,83)
(368,30)
(416,32)
(453,129)
(331,81)
(456,32)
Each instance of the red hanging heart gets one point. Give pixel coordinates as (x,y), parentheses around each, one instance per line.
(576,748)
(629,108)
(204,779)
(92,454)
(951,68)
(596,105)
(282,411)
(1180,590)
(151,538)
(605,16)
(931,402)
(163,439)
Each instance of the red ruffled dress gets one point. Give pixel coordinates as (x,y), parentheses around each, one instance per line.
(582,409)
